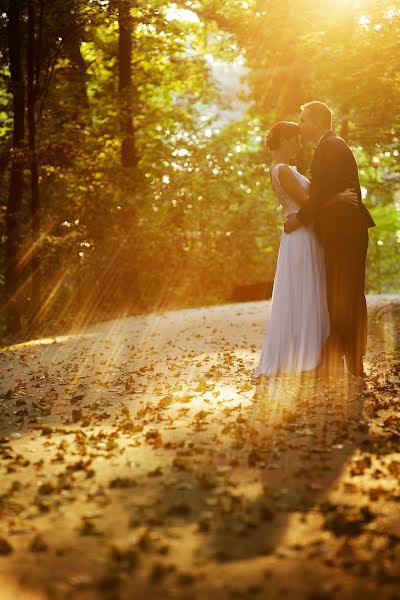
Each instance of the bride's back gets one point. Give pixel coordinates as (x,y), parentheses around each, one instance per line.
(285,200)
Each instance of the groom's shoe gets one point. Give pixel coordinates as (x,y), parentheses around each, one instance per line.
(355,367)
(358,373)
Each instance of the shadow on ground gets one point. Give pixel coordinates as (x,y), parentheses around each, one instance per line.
(136,461)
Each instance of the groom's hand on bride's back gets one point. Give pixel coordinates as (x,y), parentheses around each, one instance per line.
(291,223)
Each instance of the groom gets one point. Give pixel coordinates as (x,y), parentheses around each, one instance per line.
(343,232)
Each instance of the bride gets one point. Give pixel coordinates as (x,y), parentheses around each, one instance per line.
(298,325)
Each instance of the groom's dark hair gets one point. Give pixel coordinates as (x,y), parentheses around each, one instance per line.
(321,111)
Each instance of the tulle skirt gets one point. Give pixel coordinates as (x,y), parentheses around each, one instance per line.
(298,324)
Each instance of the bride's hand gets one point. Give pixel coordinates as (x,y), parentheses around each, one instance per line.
(349,196)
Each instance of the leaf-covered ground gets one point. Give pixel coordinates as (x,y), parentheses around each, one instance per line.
(137,462)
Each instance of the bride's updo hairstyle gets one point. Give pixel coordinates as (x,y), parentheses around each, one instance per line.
(281,130)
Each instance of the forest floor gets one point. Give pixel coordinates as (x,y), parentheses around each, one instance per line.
(137,462)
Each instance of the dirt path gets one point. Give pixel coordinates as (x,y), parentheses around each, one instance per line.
(135,463)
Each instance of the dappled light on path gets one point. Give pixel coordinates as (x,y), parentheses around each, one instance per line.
(139,455)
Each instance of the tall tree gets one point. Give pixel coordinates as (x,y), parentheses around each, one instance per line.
(77,71)
(33,58)
(15,194)
(128,148)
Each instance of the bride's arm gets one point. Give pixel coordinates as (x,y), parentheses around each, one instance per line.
(291,185)
(347,197)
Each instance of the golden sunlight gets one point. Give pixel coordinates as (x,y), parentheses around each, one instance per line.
(199,300)
(173,12)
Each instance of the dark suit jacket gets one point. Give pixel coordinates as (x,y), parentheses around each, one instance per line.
(334,169)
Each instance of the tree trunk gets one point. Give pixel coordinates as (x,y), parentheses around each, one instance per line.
(32,88)
(12,271)
(128,149)
(77,72)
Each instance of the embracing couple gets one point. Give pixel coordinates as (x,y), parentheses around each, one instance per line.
(318,318)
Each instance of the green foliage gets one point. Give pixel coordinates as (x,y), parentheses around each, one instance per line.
(197,216)
(344,54)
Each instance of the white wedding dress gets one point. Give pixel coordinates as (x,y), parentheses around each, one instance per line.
(298,324)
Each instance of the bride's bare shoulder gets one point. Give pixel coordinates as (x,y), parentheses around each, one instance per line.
(285,173)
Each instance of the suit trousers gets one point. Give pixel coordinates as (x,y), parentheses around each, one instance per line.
(345,278)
